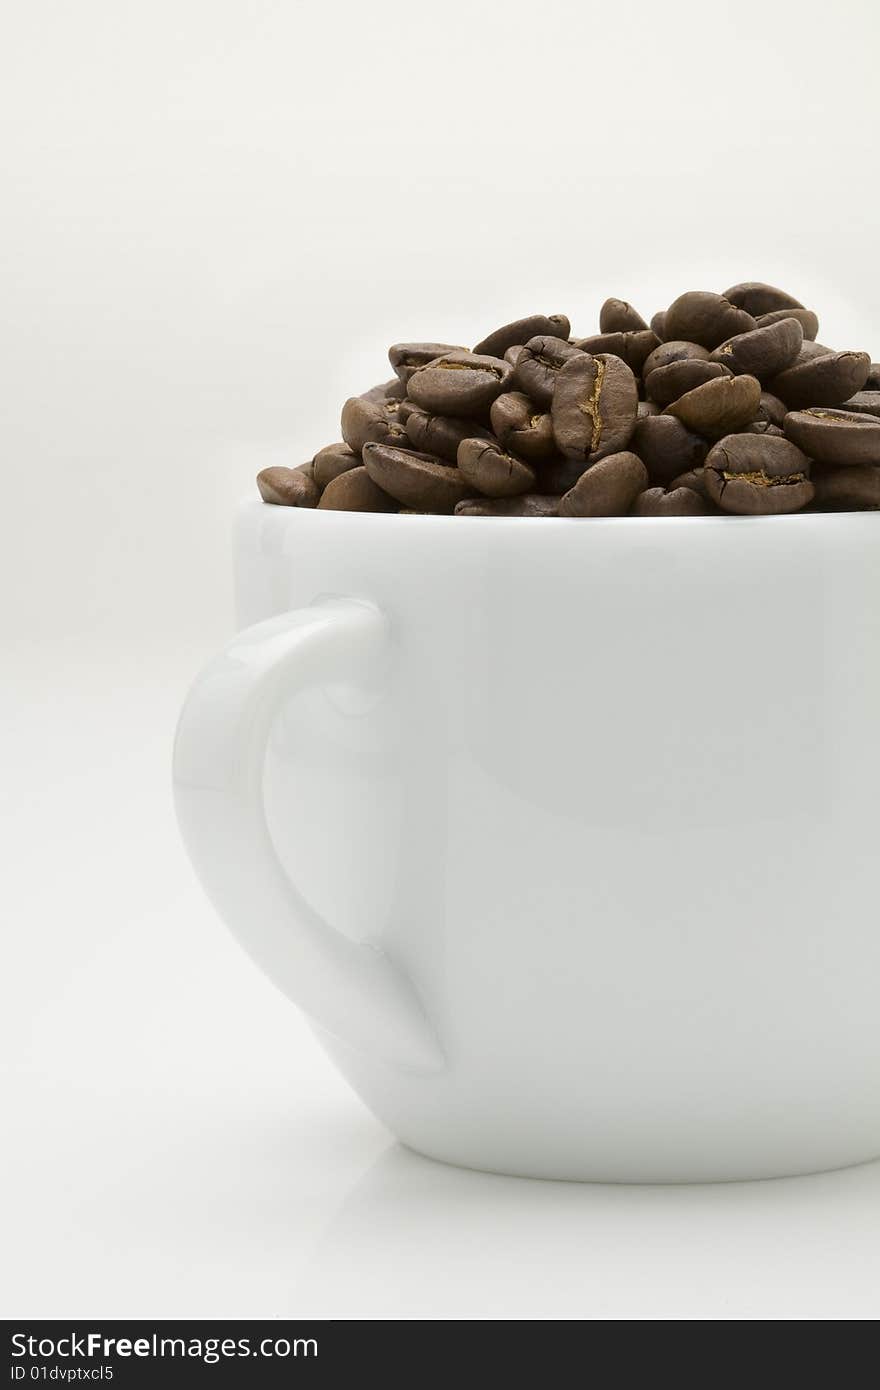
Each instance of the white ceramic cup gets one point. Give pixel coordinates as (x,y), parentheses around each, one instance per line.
(563,832)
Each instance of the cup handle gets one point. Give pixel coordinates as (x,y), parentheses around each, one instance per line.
(353,990)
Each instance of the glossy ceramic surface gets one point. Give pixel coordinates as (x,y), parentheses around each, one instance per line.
(563,832)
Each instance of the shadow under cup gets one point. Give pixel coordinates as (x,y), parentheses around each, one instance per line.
(583,809)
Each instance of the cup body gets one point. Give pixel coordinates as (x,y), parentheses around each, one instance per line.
(611,805)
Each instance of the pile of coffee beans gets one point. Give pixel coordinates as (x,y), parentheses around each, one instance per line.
(723,403)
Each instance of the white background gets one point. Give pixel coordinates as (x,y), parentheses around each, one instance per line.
(216,216)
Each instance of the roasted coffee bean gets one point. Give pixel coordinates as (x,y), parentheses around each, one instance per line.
(835,436)
(809,350)
(331,461)
(406,358)
(355,491)
(440,434)
(771,409)
(666,384)
(694,480)
(616,316)
(491,471)
(805,317)
(459,383)
(288,487)
(522,428)
(673,351)
(719,407)
(538,366)
(873,381)
(415,480)
(532,504)
(647,408)
(633,347)
(864,403)
(708,319)
(393,390)
(764,352)
(822,380)
(512,355)
(667,448)
(757,298)
(607,488)
(364,420)
(763,427)
(854,489)
(521,331)
(658,325)
(595,406)
(754,475)
(679,501)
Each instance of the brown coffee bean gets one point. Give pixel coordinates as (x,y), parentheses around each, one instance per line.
(355,491)
(771,409)
(539,364)
(512,355)
(633,347)
(522,428)
(694,480)
(854,489)
(757,298)
(415,480)
(809,350)
(679,501)
(864,403)
(533,504)
(406,358)
(491,471)
(331,461)
(708,319)
(757,475)
(459,383)
(393,390)
(666,447)
(762,427)
(835,436)
(822,380)
(616,316)
(673,351)
(364,420)
(805,317)
(440,435)
(658,325)
(607,488)
(595,406)
(873,381)
(719,407)
(518,333)
(647,408)
(764,352)
(288,487)
(665,384)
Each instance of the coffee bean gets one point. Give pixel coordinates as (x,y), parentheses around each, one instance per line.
(809,350)
(494,473)
(633,347)
(719,407)
(331,461)
(658,325)
(616,316)
(835,436)
(459,383)
(826,380)
(762,427)
(415,480)
(764,352)
(708,319)
(647,408)
(873,381)
(521,331)
(287,487)
(538,366)
(757,298)
(667,448)
(594,406)
(694,480)
(355,491)
(522,428)
(607,488)
(754,475)
(533,504)
(406,358)
(679,501)
(805,317)
(393,390)
(512,355)
(771,409)
(665,384)
(673,351)
(441,435)
(854,489)
(864,402)
(364,420)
